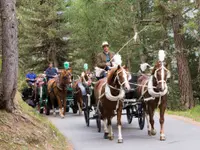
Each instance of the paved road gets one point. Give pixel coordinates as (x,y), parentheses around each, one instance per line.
(180,135)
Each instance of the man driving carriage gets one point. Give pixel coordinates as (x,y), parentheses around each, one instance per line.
(104,60)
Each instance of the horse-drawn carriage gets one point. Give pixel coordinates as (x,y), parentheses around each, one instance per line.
(43,97)
(132,105)
(140,100)
(71,101)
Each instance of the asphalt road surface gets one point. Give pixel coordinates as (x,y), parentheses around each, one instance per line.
(180,135)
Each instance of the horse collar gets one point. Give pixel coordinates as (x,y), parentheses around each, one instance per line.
(110,97)
(151,89)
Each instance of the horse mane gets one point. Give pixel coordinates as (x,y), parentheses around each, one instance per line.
(84,75)
(155,67)
(111,73)
(64,71)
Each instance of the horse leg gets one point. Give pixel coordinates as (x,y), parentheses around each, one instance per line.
(79,108)
(110,130)
(52,103)
(60,107)
(64,103)
(119,124)
(105,129)
(148,124)
(162,108)
(151,109)
(147,118)
(79,101)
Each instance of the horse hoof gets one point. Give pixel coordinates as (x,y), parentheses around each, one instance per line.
(153,132)
(62,116)
(162,138)
(120,140)
(105,135)
(111,138)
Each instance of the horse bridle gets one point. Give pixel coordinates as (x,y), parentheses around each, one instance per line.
(117,78)
(68,76)
(162,68)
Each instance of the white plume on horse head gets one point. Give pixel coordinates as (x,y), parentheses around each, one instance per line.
(161,55)
(117,60)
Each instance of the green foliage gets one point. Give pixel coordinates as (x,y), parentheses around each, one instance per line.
(92,22)
(42,26)
(86,23)
(173,102)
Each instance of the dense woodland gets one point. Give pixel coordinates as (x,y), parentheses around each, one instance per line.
(73,30)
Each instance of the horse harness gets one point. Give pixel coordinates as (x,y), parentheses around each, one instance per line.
(107,92)
(150,87)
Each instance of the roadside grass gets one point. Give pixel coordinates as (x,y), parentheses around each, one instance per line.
(193,113)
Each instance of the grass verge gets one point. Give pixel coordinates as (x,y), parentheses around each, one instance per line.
(193,113)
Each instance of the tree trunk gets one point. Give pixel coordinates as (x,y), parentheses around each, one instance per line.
(9,54)
(54,54)
(184,75)
(0,36)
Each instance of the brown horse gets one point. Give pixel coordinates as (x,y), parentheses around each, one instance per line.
(80,92)
(154,89)
(109,94)
(57,90)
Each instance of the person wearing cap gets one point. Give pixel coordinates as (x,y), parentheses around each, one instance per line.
(87,72)
(30,78)
(104,58)
(51,72)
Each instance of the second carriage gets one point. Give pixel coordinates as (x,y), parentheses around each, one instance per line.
(133,107)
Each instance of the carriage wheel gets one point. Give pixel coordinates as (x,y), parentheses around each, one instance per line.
(67,109)
(141,117)
(87,114)
(98,121)
(47,109)
(129,114)
(40,109)
(75,110)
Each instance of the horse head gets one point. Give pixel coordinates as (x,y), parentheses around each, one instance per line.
(66,77)
(118,77)
(160,74)
(86,78)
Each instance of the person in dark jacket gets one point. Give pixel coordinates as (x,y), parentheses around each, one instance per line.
(51,72)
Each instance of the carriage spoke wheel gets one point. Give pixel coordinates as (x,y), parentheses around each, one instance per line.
(129,114)
(40,109)
(47,109)
(98,121)
(87,114)
(67,108)
(141,117)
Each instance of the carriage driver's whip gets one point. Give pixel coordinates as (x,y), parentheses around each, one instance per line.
(134,37)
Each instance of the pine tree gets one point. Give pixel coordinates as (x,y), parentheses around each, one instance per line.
(42,30)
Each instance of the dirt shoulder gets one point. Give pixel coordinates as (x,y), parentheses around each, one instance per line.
(25,129)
